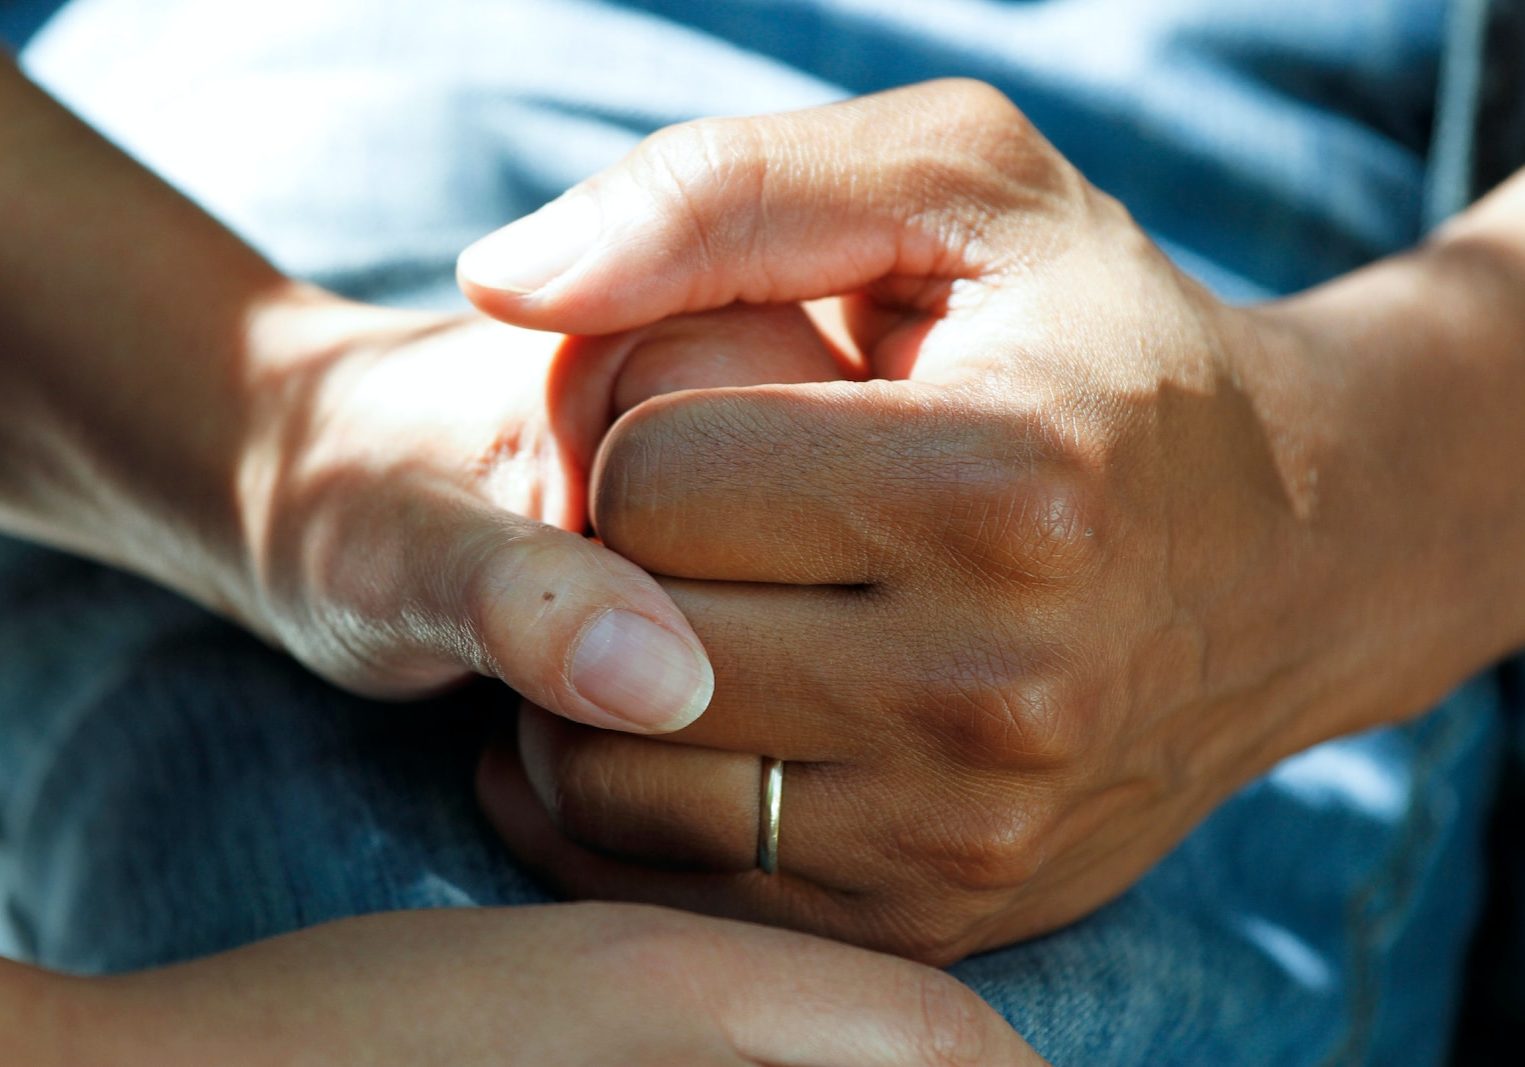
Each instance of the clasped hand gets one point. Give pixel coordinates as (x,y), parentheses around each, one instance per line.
(1018,609)
(1044,554)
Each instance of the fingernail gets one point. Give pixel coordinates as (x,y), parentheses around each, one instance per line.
(528,254)
(638,671)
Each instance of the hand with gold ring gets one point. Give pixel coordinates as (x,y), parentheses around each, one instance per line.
(1090,551)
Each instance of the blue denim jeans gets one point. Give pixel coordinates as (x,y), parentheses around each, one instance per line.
(169,786)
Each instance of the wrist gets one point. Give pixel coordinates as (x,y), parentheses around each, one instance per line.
(136,339)
(1410,386)
(298,345)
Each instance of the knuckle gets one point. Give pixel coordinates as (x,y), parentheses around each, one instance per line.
(700,174)
(983,851)
(985,727)
(994,718)
(1026,498)
(991,132)
(1041,528)
(978,107)
(1050,718)
(703,150)
(1054,534)
(981,164)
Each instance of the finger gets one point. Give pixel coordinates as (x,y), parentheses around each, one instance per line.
(810,674)
(809,1002)
(688,808)
(736,346)
(872,920)
(594,380)
(783,899)
(826,1004)
(840,483)
(563,620)
(917,187)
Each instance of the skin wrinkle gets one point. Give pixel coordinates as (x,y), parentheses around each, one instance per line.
(684,172)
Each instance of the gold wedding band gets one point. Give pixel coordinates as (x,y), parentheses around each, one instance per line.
(767,823)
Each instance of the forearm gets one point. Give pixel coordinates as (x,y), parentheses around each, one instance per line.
(1418,448)
(130,324)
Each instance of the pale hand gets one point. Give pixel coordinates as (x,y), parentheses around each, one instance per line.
(412,510)
(561,986)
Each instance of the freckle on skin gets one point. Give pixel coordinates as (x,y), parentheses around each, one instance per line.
(548,597)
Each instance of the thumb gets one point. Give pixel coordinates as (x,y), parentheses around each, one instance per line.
(448,581)
(589,631)
(934,183)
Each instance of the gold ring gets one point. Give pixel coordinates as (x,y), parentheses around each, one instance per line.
(767,823)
